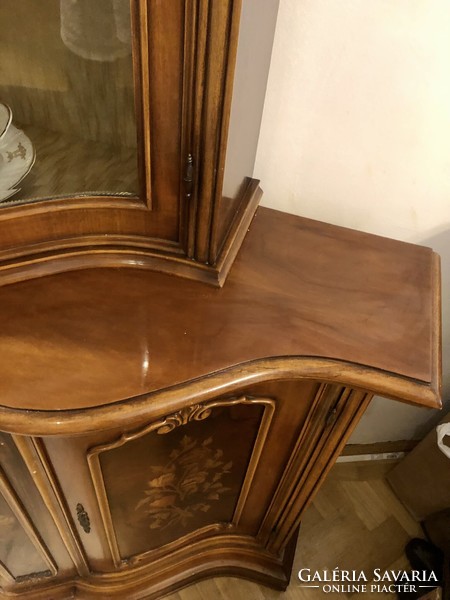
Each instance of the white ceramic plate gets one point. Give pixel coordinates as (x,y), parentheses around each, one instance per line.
(17,154)
(5,119)
(5,194)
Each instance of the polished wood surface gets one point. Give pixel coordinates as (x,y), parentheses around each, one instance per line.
(177,431)
(160,430)
(316,298)
(265,467)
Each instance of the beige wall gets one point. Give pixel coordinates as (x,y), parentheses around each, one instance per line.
(356,132)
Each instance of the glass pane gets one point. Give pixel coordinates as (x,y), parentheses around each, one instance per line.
(17,553)
(67,123)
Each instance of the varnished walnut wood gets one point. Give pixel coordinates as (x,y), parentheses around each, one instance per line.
(301,297)
(356,504)
(33,454)
(107,370)
(173,430)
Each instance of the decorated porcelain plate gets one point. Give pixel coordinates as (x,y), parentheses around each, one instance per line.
(5,119)
(17,154)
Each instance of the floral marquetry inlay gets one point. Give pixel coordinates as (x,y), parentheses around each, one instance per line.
(185,474)
(188,483)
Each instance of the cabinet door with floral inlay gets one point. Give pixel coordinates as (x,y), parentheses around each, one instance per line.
(186,475)
(204,472)
(222,479)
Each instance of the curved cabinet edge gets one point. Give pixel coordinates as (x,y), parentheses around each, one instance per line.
(236,556)
(134,410)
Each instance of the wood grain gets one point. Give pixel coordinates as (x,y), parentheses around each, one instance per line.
(316,294)
(284,458)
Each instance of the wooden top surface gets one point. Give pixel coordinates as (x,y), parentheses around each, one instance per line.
(297,288)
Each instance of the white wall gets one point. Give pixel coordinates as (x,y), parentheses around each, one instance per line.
(356,132)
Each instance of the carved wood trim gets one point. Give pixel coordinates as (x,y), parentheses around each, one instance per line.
(114,250)
(14,503)
(324,403)
(197,412)
(206,558)
(192,41)
(147,406)
(239,227)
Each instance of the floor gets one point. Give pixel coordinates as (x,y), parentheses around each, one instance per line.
(355,523)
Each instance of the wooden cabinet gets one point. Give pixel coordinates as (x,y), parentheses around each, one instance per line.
(144,118)
(226,479)
(155,430)
(160,430)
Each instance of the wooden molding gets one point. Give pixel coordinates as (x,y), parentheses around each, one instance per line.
(215,51)
(137,410)
(309,466)
(222,555)
(117,250)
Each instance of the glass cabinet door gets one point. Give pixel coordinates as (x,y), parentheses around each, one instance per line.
(115,119)
(67,118)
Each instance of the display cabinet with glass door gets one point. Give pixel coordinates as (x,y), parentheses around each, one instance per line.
(128,132)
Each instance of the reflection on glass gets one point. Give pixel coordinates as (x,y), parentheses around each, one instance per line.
(67,123)
(17,553)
